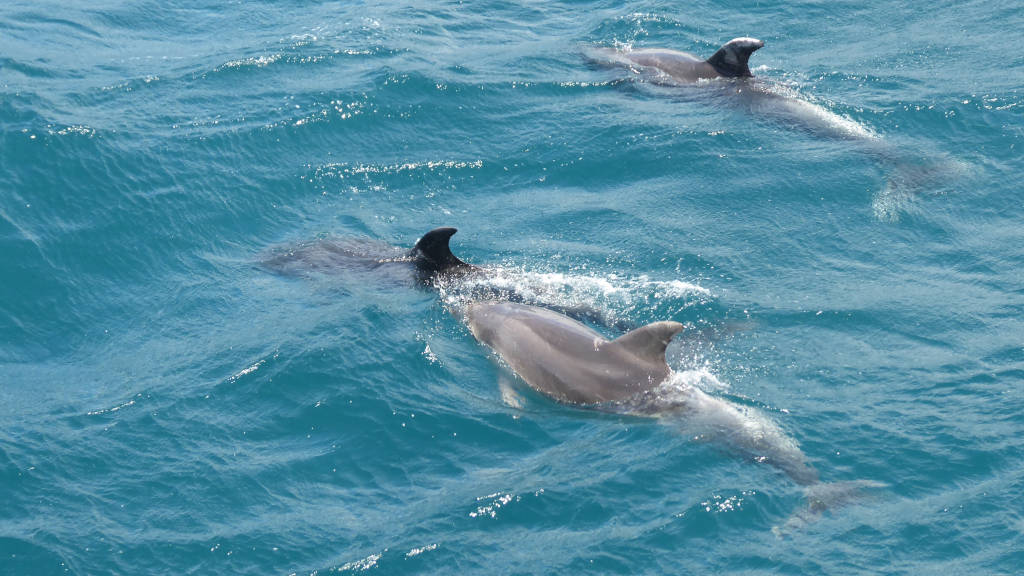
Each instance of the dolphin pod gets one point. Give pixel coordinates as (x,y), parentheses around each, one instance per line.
(562,358)
(557,355)
(571,363)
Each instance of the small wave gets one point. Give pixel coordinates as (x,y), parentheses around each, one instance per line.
(640,17)
(363,564)
(253,62)
(80,130)
(584,84)
(247,371)
(333,110)
(131,84)
(308,48)
(341,170)
(117,408)
(494,503)
(719,504)
(417,551)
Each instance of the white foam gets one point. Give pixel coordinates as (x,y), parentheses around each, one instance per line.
(253,61)
(418,551)
(610,299)
(248,370)
(361,565)
(342,170)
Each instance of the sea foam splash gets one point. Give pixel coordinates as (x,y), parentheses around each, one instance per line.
(610,300)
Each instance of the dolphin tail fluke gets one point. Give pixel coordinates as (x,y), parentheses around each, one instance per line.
(823,497)
(731,59)
(432,254)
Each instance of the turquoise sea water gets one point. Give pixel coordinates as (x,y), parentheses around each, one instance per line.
(170,404)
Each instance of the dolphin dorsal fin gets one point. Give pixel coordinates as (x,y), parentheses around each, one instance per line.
(432,252)
(649,342)
(731,58)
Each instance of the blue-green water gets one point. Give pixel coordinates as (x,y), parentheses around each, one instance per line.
(169,404)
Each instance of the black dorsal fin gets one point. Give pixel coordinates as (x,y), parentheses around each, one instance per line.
(432,253)
(649,342)
(731,58)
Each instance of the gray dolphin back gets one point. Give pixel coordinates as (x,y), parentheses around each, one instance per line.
(566,359)
(730,61)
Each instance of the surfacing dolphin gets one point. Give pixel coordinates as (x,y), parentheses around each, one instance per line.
(726,77)
(429,263)
(429,259)
(573,364)
(730,61)
(742,89)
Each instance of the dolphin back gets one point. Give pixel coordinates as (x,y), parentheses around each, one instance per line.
(569,361)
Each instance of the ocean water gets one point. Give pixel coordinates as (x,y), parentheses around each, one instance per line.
(171,403)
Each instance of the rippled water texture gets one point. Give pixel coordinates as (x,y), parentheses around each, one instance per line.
(197,376)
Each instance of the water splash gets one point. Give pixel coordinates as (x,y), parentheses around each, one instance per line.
(610,300)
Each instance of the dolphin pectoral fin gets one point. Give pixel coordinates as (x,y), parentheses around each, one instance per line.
(649,342)
(509,395)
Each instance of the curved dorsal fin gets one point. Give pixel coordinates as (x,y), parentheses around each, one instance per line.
(731,58)
(649,342)
(432,253)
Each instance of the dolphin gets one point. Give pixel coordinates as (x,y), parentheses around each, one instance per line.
(430,263)
(727,74)
(726,77)
(571,363)
(427,261)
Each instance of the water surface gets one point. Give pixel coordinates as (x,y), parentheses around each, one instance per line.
(169,404)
